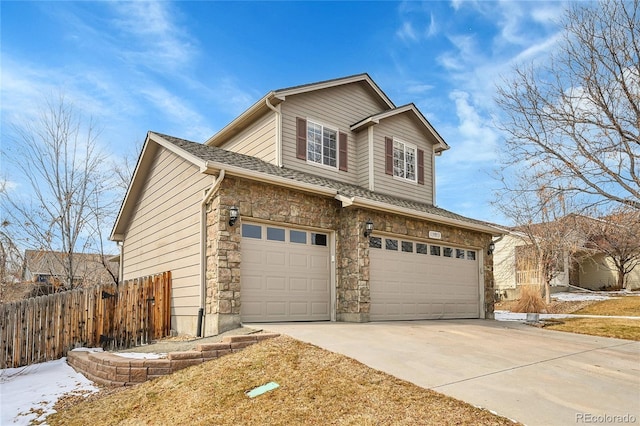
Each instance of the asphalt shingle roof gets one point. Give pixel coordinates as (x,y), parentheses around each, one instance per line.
(215,154)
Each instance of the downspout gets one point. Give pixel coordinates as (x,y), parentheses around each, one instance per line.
(203,246)
(278,131)
(121,265)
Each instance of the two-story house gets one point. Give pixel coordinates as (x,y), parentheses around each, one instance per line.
(316,203)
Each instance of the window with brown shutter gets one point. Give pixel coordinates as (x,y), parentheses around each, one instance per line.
(388,156)
(301,140)
(421,167)
(342,143)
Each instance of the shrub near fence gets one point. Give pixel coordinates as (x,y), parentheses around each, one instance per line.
(45,328)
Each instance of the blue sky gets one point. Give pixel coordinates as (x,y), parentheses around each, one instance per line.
(188,68)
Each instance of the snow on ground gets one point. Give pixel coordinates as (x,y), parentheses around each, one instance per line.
(576,297)
(29,393)
(137,355)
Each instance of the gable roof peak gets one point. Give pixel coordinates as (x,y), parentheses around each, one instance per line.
(275,97)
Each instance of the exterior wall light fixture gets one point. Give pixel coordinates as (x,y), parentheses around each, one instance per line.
(368,228)
(233,215)
(492,247)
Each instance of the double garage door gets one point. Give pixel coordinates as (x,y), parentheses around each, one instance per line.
(415,280)
(286,276)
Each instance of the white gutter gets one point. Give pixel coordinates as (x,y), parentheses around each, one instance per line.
(278,131)
(203,235)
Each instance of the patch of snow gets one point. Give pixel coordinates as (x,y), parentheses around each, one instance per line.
(87,350)
(28,394)
(138,355)
(576,297)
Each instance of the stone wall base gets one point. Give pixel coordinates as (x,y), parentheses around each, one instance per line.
(352,317)
(215,324)
(109,369)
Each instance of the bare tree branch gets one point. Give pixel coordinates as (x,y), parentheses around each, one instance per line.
(576,118)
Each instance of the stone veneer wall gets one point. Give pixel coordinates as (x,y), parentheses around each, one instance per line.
(264,202)
(109,369)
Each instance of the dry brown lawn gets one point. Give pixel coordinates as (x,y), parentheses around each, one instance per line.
(316,387)
(606,327)
(628,306)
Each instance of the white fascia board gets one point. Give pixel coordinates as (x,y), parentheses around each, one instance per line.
(283,93)
(117,236)
(385,207)
(213,166)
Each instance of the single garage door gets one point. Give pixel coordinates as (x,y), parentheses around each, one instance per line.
(413,280)
(285,274)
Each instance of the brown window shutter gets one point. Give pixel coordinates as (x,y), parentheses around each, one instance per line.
(388,156)
(301,138)
(421,167)
(342,144)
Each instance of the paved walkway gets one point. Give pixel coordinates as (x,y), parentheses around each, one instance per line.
(535,376)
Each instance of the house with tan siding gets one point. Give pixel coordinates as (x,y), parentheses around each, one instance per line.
(333,187)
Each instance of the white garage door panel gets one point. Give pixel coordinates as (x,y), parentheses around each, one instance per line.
(412,285)
(284,280)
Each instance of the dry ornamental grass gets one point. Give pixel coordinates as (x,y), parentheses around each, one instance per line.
(316,387)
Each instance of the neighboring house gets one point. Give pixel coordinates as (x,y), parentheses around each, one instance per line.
(588,268)
(306,169)
(46,268)
(512,268)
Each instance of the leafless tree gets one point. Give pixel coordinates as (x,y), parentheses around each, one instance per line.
(617,236)
(11,260)
(64,184)
(541,218)
(575,116)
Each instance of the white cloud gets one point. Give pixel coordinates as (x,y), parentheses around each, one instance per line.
(478,139)
(157,39)
(407,32)
(432,30)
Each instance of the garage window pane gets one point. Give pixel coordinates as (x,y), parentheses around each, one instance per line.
(471,255)
(275,234)
(448,252)
(299,237)
(459,253)
(375,242)
(391,244)
(407,247)
(319,239)
(435,250)
(421,248)
(252,231)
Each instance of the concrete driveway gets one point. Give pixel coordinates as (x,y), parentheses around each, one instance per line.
(534,376)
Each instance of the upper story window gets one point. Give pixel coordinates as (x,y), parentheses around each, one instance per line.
(404,160)
(322,144)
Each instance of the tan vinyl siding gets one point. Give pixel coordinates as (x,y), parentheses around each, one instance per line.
(406,129)
(164,233)
(600,271)
(362,159)
(337,107)
(257,140)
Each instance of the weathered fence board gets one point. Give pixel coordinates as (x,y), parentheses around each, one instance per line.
(44,328)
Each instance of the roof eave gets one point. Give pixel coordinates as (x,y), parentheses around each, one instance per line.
(242,120)
(386,207)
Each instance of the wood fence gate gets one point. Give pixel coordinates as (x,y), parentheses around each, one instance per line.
(44,328)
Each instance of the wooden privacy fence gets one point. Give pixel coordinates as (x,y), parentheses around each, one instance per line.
(44,328)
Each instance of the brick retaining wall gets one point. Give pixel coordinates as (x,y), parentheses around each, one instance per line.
(109,369)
